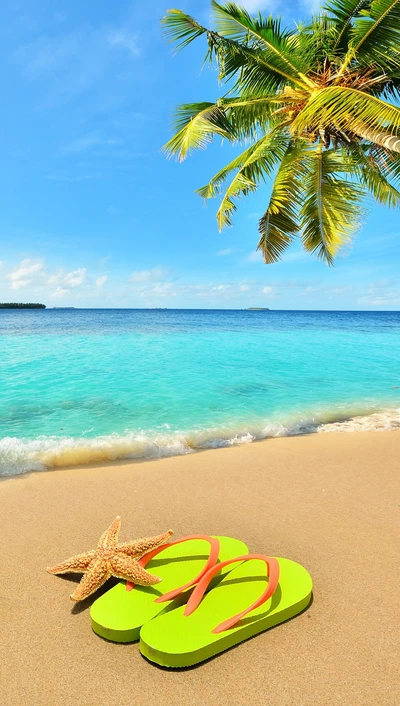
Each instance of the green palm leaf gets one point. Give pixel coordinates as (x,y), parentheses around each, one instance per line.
(181,28)
(343,12)
(279,224)
(257,164)
(235,23)
(331,210)
(231,118)
(316,107)
(267,68)
(350,109)
(196,124)
(376,29)
(365,165)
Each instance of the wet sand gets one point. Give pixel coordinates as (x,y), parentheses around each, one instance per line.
(329,501)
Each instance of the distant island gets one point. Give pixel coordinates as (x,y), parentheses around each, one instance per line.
(19,305)
(258,308)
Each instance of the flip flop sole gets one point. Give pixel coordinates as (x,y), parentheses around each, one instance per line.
(119,614)
(175,640)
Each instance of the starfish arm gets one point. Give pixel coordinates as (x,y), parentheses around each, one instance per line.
(97,573)
(109,538)
(123,567)
(142,546)
(74,565)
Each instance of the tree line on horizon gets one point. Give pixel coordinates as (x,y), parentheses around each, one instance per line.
(21,305)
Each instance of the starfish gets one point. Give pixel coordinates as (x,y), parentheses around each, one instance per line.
(111,559)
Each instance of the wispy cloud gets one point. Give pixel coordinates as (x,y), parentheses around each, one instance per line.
(122,38)
(157,273)
(101,280)
(72,63)
(102,261)
(254,256)
(227,251)
(59,293)
(36,277)
(87,142)
(23,275)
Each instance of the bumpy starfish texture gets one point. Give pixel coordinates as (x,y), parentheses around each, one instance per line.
(111,559)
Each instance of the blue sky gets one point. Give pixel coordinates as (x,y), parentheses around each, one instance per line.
(92,214)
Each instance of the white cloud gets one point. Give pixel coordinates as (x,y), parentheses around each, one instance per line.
(21,283)
(68,279)
(124,39)
(57,277)
(244,288)
(161,290)
(59,293)
(75,278)
(26,267)
(268,290)
(155,274)
(33,275)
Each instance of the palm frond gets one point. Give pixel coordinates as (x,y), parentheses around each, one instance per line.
(231,118)
(331,210)
(236,23)
(388,163)
(181,28)
(364,163)
(251,115)
(257,165)
(279,224)
(196,124)
(263,69)
(347,108)
(343,13)
(376,28)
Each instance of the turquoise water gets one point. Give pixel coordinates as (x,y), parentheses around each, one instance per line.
(87,385)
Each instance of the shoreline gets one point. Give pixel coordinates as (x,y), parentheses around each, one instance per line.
(329,501)
(21,456)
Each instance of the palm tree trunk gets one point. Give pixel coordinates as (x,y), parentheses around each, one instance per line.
(383,139)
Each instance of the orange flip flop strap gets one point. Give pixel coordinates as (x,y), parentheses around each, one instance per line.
(199,591)
(211,561)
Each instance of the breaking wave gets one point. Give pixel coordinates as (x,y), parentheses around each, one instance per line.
(19,456)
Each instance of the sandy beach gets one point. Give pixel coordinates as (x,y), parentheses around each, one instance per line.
(329,501)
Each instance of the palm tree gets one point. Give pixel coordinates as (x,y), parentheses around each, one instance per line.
(316,108)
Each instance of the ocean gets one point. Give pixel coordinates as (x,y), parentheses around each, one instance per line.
(89,385)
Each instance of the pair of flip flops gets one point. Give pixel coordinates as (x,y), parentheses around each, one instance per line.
(236,595)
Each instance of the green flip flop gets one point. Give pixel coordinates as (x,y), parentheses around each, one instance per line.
(193,633)
(119,614)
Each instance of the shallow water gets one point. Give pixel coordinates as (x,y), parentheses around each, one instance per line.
(88,385)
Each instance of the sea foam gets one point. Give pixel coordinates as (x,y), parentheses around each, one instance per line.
(18,456)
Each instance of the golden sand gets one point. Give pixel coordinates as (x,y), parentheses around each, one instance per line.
(329,501)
